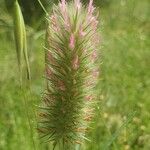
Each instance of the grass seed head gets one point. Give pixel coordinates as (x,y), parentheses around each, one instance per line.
(72,44)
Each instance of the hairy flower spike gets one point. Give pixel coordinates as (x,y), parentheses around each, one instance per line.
(72,43)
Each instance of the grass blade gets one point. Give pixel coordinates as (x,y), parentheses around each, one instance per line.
(18,33)
(20,38)
(26,52)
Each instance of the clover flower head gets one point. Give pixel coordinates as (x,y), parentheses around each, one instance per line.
(72,44)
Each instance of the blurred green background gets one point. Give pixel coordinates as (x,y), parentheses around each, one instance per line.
(122,120)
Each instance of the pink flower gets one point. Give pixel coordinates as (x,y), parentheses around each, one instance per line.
(72,41)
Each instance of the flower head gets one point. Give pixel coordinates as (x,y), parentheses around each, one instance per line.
(71,72)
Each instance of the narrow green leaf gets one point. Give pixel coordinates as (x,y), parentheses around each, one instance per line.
(43,7)
(25,51)
(18,33)
(20,38)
